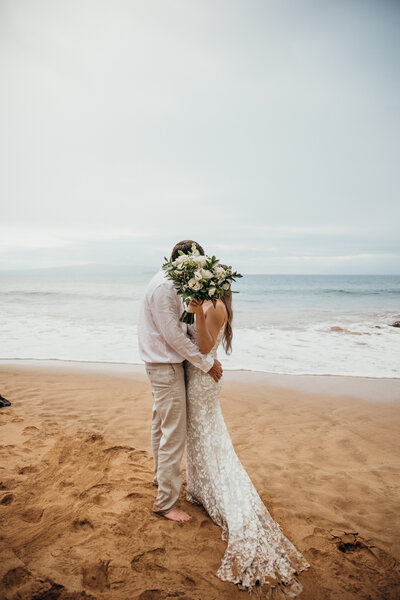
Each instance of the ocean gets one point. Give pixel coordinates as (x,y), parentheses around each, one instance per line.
(297,324)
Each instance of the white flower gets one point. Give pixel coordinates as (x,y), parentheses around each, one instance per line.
(200,260)
(198,274)
(194,284)
(211,291)
(180,266)
(226,286)
(220,272)
(195,252)
(180,260)
(206,274)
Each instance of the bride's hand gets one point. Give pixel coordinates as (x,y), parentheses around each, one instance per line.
(195,306)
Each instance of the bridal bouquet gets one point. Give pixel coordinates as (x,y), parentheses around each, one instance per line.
(198,277)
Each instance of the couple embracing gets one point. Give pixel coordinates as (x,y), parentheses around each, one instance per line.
(185,376)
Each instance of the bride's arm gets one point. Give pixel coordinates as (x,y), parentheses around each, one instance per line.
(208,326)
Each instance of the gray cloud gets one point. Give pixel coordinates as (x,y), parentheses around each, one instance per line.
(267,130)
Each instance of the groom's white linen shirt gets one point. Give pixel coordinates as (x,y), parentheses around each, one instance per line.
(162,337)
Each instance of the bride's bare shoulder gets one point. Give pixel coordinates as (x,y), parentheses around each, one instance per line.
(218,314)
(221,308)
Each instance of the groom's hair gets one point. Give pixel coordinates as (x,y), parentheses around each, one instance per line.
(185,246)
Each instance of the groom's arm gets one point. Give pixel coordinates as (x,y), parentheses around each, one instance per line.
(165,315)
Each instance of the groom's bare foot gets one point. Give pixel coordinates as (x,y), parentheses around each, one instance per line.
(176,514)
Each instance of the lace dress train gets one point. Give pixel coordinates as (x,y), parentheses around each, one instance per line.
(257,550)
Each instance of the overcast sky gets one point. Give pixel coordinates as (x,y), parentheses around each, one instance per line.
(266,130)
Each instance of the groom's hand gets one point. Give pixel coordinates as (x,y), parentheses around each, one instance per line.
(216,370)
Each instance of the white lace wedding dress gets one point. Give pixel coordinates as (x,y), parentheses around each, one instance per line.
(257,551)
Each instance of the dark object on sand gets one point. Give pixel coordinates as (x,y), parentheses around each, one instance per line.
(396,324)
(4,401)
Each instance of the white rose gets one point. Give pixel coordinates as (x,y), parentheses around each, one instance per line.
(226,286)
(192,282)
(211,291)
(200,260)
(219,271)
(206,274)
(198,274)
(180,260)
(197,286)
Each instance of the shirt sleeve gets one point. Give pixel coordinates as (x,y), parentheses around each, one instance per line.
(165,315)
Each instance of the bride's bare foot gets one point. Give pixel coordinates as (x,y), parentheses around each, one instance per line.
(176,514)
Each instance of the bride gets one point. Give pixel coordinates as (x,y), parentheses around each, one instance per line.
(257,551)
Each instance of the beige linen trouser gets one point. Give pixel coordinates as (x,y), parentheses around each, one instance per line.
(168,430)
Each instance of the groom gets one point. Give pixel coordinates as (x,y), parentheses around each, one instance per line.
(163,346)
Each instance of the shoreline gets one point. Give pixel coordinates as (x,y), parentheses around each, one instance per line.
(374,389)
(141,364)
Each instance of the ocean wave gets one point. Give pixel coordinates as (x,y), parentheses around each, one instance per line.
(247,295)
(333,326)
(67,295)
(358,292)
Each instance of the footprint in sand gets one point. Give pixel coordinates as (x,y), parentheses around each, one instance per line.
(8,484)
(149,560)
(65,484)
(97,494)
(27,470)
(82,525)
(205,527)
(132,495)
(6,498)
(32,515)
(95,576)
(140,456)
(152,595)
(136,480)
(30,429)
(15,577)
(118,449)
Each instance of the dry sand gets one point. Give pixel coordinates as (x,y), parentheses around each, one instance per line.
(76,496)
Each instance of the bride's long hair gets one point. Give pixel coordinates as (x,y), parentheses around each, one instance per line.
(228,333)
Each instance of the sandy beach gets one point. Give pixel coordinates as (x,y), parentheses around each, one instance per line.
(76,490)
